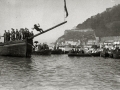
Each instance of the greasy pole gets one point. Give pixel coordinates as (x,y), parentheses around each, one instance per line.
(48,29)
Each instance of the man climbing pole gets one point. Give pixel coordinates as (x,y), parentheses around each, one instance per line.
(37,27)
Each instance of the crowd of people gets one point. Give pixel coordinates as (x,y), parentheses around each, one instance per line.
(107,48)
(40,47)
(20,34)
(77,50)
(17,34)
(43,46)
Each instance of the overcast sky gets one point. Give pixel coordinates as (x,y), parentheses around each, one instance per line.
(25,13)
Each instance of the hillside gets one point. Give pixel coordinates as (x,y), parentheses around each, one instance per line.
(105,24)
(75,35)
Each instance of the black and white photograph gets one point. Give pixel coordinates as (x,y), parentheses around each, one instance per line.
(59,44)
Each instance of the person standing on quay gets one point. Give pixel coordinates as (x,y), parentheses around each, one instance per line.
(23,33)
(17,34)
(20,34)
(5,36)
(12,35)
(27,33)
(8,35)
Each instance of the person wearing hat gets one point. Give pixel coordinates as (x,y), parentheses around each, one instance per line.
(5,36)
(27,33)
(23,33)
(8,35)
(17,34)
(20,34)
(12,34)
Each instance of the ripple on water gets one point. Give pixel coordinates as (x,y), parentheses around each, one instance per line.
(59,72)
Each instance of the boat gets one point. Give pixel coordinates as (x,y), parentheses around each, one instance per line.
(115,54)
(97,54)
(57,51)
(84,54)
(66,52)
(79,54)
(43,52)
(41,49)
(104,53)
(22,48)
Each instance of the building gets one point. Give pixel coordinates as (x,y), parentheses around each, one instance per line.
(110,40)
(80,37)
(72,42)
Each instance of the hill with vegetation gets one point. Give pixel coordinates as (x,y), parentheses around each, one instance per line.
(106,23)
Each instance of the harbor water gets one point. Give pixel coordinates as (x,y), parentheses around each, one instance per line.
(59,72)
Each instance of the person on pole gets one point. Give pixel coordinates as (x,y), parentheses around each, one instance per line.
(37,27)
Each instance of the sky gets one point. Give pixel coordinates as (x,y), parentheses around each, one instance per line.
(25,13)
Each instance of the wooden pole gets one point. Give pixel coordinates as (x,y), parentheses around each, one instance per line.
(48,30)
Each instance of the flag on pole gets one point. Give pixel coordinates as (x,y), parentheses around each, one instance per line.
(65,7)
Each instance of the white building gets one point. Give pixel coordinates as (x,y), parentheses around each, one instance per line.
(71,42)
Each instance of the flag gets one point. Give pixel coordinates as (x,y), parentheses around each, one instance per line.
(65,7)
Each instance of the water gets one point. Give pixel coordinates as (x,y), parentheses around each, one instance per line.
(59,72)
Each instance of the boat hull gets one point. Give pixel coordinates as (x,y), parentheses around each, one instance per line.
(95,54)
(42,52)
(79,54)
(115,54)
(84,54)
(57,51)
(104,54)
(16,49)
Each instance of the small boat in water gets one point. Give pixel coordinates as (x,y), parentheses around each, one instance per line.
(84,54)
(79,54)
(42,49)
(104,53)
(57,51)
(42,52)
(97,54)
(115,53)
